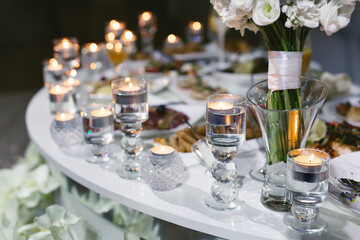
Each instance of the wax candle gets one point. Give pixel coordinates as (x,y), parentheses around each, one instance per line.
(308,160)
(72,82)
(162,150)
(65,48)
(102,112)
(58,90)
(221,107)
(54,65)
(172,39)
(129,88)
(64,117)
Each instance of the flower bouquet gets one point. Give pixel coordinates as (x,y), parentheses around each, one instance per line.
(286,104)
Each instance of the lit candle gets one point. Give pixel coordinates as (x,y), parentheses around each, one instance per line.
(61,118)
(72,82)
(100,113)
(128,37)
(115,25)
(58,93)
(54,65)
(114,29)
(307,161)
(162,150)
(172,39)
(145,19)
(129,88)
(195,27)
(221,107)
(66,48)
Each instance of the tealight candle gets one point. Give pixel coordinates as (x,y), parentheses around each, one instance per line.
(58,93)
(172,39)
(100,118)
(221,113)
(54,65)
(52,71)
(195,27)
(128,37)
(129,88)
(64,118)
(221,107)
(145,19)
(102,112)
(162,150)
(308,160)
(72,82)
(66,48)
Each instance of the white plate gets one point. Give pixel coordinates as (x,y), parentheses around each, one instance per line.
(330,114)
(346,166)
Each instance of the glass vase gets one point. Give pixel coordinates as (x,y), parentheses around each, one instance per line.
(283,131)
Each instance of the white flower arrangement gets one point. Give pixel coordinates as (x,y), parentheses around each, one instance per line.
(240,14)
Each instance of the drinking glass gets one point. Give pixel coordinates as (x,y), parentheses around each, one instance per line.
(225,131)
(98,130)
(117,51)
(131,110)
(307,182)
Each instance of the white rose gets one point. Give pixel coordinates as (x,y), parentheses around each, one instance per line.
(335,15)
(245,5)
(266,12)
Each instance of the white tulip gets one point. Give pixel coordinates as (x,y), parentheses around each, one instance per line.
(335,15)
(266,12)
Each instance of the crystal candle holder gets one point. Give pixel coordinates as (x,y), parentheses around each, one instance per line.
(225,131)
(53,71)
(307,181)
(131,110)
(98,130)
(60,99)
(163,169)
(65,130)
(194,33)
(148,27)
(66,51)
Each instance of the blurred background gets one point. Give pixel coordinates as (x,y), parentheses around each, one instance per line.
(28,28)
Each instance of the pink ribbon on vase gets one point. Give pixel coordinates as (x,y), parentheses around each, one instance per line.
(284,70)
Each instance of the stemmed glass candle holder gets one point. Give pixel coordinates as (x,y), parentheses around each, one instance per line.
(115,27)
(65,130)
(148,27)
(225,131)
(194,33)
(98,130)
(60,100)
(53,71)
(66,51)
(307,181)
(131,109)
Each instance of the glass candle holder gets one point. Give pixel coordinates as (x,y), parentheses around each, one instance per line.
(66,51)
(65,130)
(163,169)
(116,28)
(148,27)
(90,57)
(74,84)
(194,33)
(173,44)
(131,110)
(225,131)
(98,130)
(53,71)
(60,99)
(307,181)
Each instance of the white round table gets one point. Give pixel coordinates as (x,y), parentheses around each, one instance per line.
(184,205)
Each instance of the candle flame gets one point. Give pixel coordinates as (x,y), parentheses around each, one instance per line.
(93,47)
(171,38)
(62,115)
(146,16)
(196,26)
(57,88)
(114,24)
(93,66)
(128,35)
(311,158)
(70,81)
(127,79)
(102,110)
(65,43)
(54,62)
(110,37)
(131,85)
(73,73)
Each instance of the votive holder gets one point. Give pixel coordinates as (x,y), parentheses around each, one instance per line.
(66,51)
(163,168)
(148,27)
(194,33)
(98,131)
(60,99)
(116,28)
(90,57)
(53,71)
(66,130)
(131,110)
(307,182)
(225,132)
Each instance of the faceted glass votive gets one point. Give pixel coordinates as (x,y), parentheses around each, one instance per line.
(225,131)
(98,131)
(66,51)
(60,99)
(66,130)
(307,181)
(163,169)
(131,110)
